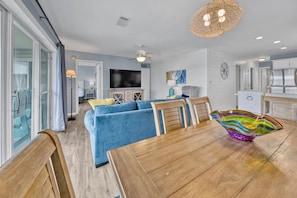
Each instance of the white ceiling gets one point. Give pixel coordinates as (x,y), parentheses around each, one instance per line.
(163,27)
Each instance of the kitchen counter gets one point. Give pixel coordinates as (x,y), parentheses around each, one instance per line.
(283,95)
(280,107)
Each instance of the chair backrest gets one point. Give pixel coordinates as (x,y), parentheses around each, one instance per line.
(200,109)
(279,107)
(173,114)
(39,170)
(191,91)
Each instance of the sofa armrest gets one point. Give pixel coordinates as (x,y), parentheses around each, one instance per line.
(118,129)
(89,121)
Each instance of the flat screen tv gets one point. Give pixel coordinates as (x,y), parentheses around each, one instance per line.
(125,78)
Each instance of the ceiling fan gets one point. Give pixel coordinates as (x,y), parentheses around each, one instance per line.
(141,55)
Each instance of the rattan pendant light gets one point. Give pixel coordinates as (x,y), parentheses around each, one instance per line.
(216,18)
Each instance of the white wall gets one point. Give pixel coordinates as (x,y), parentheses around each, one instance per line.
(221,92)
(195,65)
(146,83)
(203,70)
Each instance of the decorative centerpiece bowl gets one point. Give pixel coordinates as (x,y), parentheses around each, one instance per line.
(244,125)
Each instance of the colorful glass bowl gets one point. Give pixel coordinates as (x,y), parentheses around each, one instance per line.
(244,125)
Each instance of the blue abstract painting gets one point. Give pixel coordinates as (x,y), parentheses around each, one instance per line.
(180,76)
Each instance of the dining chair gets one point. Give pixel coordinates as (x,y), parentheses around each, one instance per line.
(200,109)
(173,115)
(39,170)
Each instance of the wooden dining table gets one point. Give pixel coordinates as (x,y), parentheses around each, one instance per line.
(204,161)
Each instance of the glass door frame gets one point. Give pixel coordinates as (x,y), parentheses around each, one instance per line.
(6,61)
(48,87)
(3,90)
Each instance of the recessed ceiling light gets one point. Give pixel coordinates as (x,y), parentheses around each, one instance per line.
(259,37)
(275,42)
(261,59)
(283,48)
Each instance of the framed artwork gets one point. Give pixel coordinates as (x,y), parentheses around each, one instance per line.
(179,76)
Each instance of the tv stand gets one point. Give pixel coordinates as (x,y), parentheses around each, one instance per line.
(126,95)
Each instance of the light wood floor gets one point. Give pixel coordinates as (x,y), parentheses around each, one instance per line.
(88,181)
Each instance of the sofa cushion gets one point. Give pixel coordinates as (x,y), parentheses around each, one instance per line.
(107,101)
(146,104)
(127,106)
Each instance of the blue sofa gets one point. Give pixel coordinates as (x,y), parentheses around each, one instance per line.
(117,125)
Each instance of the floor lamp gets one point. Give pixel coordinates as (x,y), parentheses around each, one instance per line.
(71,74)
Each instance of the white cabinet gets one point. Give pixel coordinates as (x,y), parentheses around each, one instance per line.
(293,62)
(281,64)
(250,101)
(126,95)
(284,63)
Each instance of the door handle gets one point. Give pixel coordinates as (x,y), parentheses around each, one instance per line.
(249,98)
(16,95)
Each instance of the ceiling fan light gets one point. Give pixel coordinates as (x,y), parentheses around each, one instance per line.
(221,12)
(140,59)
(222,19)
(206,23)
(261,59)
(206,17)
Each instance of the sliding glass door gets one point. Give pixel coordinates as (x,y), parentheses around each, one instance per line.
(24,81)
(21,87)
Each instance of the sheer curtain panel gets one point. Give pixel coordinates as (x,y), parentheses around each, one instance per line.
(60,97)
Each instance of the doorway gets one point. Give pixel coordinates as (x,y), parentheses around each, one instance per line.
(89,87)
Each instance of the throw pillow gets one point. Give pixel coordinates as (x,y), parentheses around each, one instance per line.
(146,104)
(107,101)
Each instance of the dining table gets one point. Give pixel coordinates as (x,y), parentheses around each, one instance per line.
(204,161)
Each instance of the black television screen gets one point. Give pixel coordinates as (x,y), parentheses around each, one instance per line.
(125,78)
